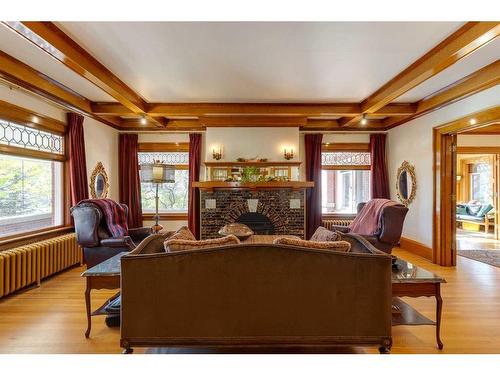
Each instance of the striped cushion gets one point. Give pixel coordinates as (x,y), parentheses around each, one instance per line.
(173,244)
(325,245)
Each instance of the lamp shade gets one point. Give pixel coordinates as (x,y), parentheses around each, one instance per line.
(158,173)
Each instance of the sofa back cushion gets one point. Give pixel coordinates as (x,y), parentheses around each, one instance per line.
(174,244)
(323,234)
(325,245)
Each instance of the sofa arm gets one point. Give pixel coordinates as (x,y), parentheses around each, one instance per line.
(138,234)
(340,228)
(118,242)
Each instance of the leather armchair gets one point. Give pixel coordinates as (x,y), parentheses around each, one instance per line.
(391,221)
(93,236)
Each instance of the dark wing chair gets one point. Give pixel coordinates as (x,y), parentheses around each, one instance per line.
(92,234)
(392,221)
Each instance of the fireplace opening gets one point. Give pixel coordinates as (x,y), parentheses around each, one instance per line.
(257,222)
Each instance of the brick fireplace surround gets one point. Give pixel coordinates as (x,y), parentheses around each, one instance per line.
(275,204)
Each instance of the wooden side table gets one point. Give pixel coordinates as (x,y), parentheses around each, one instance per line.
(409,280)
(105,275)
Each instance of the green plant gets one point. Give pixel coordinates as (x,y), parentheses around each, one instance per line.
(250,174)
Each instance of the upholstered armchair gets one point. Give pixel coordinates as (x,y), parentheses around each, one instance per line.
(92,234)
(391,221)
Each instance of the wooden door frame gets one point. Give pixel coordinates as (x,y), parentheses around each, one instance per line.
(444,166)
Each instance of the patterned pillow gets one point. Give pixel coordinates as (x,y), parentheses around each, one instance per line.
(325,245)
(323,234)
(183,234)
(173,244)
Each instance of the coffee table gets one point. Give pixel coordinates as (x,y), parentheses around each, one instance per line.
(409,280)
(105,275)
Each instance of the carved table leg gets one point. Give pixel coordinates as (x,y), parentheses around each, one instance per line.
(439,308)
(87,305)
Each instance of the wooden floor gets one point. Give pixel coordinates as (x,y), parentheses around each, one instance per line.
(472,240)
(51,319)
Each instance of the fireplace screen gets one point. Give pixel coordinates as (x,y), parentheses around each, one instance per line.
(257,222)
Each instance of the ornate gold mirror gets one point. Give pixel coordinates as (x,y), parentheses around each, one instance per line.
(99,185)
(406,183)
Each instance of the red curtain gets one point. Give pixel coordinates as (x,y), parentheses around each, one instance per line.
(77,162)
(313,173)
(130,184)
(194,175)
(379,175)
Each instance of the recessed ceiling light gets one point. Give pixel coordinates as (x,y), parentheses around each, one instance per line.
(473,121)
(363,121)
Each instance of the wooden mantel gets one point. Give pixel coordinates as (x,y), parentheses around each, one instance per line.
(211,185)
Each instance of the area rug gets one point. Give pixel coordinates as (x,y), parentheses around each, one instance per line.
(491,257)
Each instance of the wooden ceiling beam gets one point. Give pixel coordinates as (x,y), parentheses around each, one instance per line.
(52,40)
(460,44)
(19,74)
(253,121)
(252,109)
(480,80)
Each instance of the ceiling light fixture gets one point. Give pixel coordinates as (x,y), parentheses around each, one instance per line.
(473,121)
(363,121)
(143,120)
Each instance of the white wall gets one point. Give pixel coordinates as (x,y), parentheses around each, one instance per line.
(153,137)
(101,141)
(251,142)
(101,145)
(490,140)
(413,142)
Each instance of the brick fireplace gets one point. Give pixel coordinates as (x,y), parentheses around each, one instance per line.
(268,211)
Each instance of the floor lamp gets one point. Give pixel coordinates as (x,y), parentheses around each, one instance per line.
(157,173)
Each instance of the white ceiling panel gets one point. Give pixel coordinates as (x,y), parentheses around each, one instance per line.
(257,61)
(23,50)
(469,64)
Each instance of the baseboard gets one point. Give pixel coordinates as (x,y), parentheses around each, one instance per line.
(416,248)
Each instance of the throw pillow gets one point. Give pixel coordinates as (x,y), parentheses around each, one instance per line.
(323,234)
(461,209)
(483,211)
(173,244)
(325,245)
(183,233)
(473,209)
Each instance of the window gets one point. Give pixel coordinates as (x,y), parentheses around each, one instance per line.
(30,194)
(31,178)
(173,196)
(481,188)
(345,180)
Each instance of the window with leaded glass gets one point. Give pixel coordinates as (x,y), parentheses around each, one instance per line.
(173,196)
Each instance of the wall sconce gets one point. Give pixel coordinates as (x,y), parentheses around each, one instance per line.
(217,154)
(459,177)
(288,154)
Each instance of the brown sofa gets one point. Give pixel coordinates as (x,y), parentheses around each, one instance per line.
(256,295)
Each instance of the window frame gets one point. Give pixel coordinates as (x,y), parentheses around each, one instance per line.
(166,147)
(22,116)
(343,147)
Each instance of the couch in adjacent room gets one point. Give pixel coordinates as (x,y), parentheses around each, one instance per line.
(480,214)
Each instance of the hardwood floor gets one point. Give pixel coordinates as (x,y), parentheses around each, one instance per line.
(51,319)
(471,240)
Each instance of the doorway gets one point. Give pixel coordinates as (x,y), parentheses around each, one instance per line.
(477,185)
(445,177)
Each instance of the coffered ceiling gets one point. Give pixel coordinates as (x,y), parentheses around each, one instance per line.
(318,76)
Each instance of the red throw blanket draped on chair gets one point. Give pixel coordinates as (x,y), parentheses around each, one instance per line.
(114,215)
(367,221)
